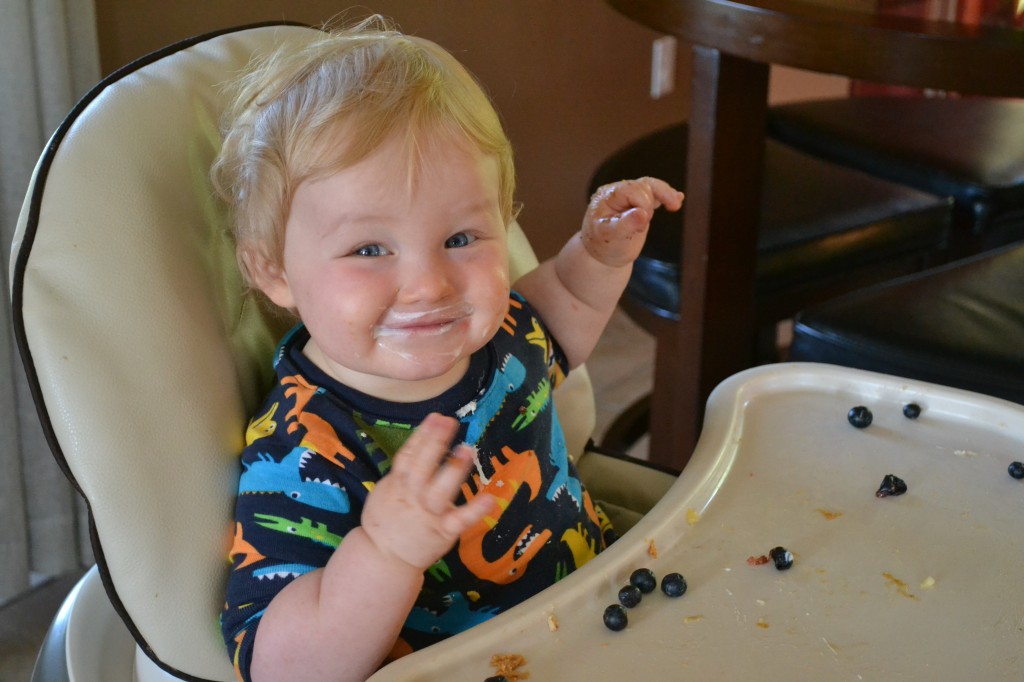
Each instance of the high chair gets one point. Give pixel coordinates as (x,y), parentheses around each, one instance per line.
(146,358)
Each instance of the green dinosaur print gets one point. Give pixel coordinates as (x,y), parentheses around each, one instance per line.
(440,571)
(304,529)
(535,404)
(382,439)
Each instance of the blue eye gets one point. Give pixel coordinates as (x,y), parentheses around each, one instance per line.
(370,251)
(458,241)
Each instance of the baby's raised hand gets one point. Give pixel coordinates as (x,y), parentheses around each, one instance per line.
(410,514)
(615,225)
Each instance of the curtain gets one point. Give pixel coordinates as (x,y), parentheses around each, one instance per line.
(49,53)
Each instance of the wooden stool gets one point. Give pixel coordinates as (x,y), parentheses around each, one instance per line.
(959,325)
(971,149)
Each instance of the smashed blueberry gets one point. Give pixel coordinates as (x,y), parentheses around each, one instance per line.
(782,557)
(629,596)
(673,585)
(615,618)
(859,416)
(1016,469)
(891,485)
(643,578)
(911,410)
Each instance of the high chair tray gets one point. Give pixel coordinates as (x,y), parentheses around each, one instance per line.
(920,586)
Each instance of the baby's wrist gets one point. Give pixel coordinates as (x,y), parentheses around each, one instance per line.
(387,556)
(599,250)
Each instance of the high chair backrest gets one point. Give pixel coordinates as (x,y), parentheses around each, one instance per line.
(145,355)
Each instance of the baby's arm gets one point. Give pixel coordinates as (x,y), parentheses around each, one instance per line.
(340,622)
(577,291)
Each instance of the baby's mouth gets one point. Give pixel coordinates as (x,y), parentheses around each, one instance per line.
(433,322)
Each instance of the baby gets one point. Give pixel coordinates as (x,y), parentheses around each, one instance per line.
(371,186)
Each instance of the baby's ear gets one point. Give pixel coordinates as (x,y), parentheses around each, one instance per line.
(266,275)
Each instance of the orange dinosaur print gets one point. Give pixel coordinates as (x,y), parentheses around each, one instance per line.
(242,547)
(588,506)
(302,392)
(520,468)
(510,322)
(322,439)
(320,436)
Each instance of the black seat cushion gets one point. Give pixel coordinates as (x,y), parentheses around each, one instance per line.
(818,219)
(971,149)
(960,325)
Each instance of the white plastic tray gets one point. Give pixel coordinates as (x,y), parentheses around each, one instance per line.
(924,586)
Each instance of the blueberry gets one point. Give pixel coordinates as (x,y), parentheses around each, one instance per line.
(643,578)
(782,557)
(629,596)
(615,618)
(1016,469)
(891,485)
(497,678)
(674,585)
(911,410)
(859,416)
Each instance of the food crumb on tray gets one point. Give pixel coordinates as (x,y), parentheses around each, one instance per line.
(900,586)
(507,667)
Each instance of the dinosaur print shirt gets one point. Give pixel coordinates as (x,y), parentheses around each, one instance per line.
(316,448)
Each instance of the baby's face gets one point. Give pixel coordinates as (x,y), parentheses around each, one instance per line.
(398,286)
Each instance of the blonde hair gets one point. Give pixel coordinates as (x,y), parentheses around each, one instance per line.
(308,112)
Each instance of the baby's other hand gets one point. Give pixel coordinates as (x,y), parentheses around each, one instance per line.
(619,214)
(410,514)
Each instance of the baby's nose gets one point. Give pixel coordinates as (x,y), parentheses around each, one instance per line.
(426,279)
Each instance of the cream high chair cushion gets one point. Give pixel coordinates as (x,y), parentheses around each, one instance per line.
(146,356)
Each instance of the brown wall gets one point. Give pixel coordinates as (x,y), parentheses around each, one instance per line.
(570,77)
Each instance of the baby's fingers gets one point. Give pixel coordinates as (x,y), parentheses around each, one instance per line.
(646,193)
(667,195)
(416,461)
(439,493)
(458,520)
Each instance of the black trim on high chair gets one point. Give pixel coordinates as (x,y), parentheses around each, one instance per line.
(17,294)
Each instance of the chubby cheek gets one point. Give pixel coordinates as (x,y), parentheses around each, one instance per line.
(345,307)
(492,302)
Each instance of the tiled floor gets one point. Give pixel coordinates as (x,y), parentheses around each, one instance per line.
(620,370)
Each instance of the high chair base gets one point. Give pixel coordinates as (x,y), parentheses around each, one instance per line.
(88,642)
